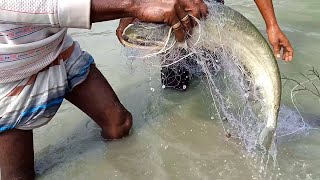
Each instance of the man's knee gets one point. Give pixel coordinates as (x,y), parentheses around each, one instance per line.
(117,124)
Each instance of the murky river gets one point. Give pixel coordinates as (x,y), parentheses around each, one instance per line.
(173,136)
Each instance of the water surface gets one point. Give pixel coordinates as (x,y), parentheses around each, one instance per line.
(174,136)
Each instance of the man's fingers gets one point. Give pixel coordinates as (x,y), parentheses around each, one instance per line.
(191,7)
(124,22)
(290,54)
(204,11)
(285,55)
(184,17)
(276,49)
(194,12)
(177,28)
(288,51)
(119,35)
(202,7)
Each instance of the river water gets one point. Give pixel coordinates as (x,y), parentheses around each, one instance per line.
(174,136)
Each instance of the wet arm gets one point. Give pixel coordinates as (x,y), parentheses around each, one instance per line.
(276,37)
(62,13)
(267,11)
(105,10)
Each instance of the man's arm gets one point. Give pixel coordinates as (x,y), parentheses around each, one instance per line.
(82,13)
(276,37)
(62,13)
(267,12)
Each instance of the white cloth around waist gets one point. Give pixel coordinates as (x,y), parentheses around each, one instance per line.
(28,61)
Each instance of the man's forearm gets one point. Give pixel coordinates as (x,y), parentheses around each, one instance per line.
(63,13)
(104,10)
(267,12)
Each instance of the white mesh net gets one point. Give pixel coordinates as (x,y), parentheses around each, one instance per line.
(211,57)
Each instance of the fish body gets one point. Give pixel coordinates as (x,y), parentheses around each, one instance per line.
(228,28)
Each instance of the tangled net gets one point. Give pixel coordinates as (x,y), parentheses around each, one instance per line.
(214,61)
(211,59)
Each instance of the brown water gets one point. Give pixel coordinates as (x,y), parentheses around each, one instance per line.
(173,135)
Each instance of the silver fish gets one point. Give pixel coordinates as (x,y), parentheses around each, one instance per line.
(245,39)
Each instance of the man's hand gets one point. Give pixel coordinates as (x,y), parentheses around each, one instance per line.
(124,22)
(279,41)
(171,12)
(276,37)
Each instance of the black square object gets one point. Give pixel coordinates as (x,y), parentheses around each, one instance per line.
(176,77)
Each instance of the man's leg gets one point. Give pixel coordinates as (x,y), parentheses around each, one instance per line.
(16,155)
(97,99)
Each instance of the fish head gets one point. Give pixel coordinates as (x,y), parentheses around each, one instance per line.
(147,36)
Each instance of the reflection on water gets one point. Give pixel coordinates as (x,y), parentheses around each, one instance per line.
(174,136)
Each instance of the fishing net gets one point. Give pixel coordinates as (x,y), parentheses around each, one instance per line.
(305,87)
(208,56)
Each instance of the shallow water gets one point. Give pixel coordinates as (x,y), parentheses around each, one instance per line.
(173,136)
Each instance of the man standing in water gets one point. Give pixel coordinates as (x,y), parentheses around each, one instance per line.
(177,76)
(40,65)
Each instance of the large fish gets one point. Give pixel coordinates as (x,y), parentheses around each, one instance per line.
(241,36)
